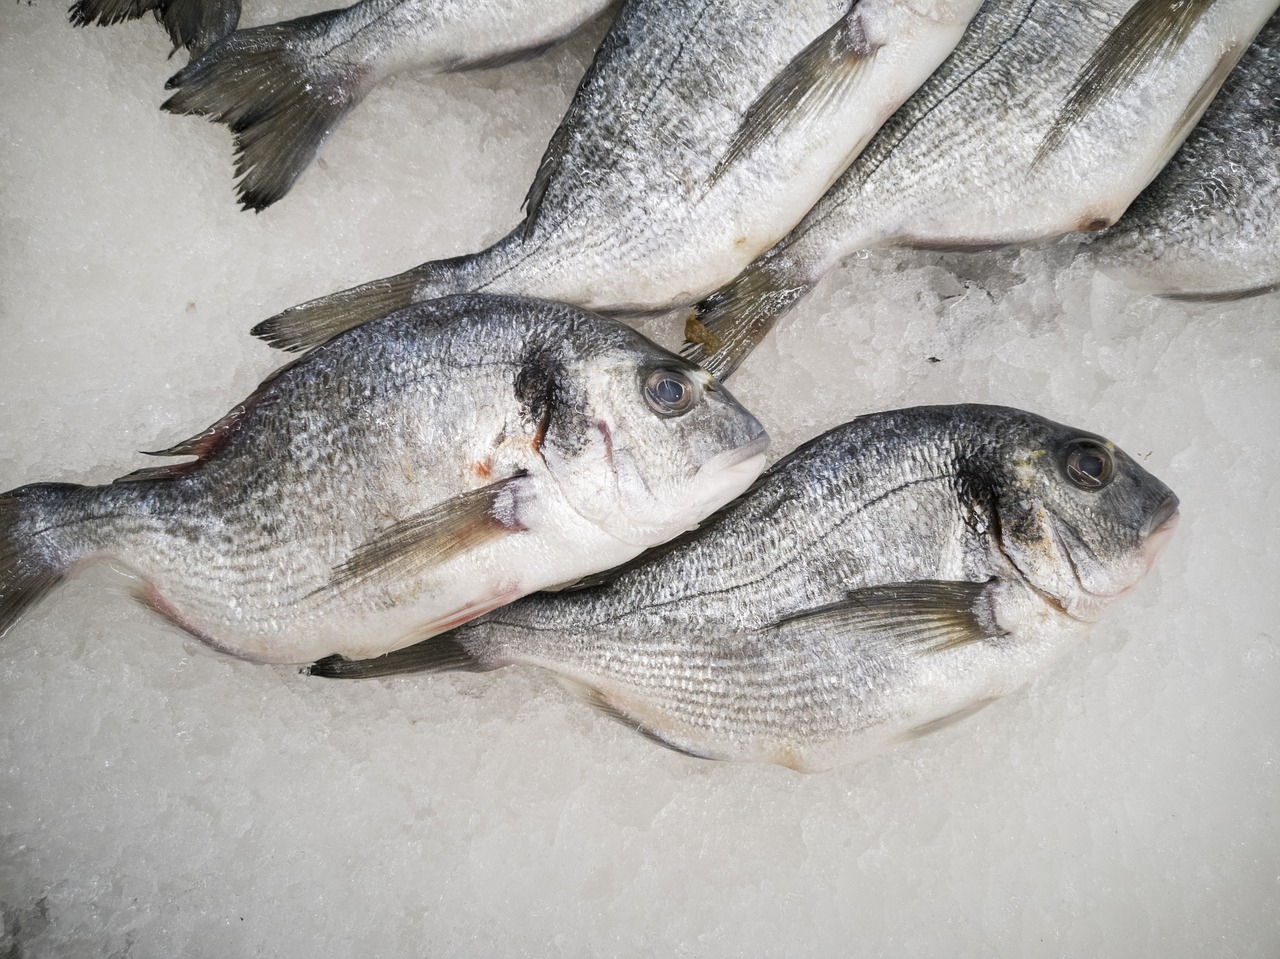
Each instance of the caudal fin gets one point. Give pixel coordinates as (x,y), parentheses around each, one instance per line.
(194,24)
(280,103)
(32,560)
(732,321)
(312,323)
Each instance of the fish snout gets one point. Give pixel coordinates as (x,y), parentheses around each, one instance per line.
(1159,529)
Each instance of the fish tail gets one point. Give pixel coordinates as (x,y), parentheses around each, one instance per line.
(196,25)
(82,13)
(280,103)
(731,322)
(35,550)
(312,323)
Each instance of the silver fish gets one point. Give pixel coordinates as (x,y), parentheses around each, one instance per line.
(1049,118)
(194,24)
(1208,227)
(402,479)
(702,132)
(891,576)
(284,87)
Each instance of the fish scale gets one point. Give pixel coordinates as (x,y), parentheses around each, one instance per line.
(316,519)
(850,599)
(1049,117)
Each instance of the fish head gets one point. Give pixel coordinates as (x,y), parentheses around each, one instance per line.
(645,445)
(1077,517)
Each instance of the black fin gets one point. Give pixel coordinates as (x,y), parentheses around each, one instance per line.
(434,536)
(1151,29)
(193,24)
(107,12)
(602,704)
(438,654)
(824,71)
(1222,296)
(279,105)
(734,320)
(30,566)
(198,24)
(932,616)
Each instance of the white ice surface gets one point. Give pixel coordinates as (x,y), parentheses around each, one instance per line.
(157,800)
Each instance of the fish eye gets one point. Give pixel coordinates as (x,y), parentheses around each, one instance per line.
(669,392)
(1089,465)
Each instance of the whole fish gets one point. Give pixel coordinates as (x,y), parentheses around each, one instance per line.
(194,24)
(1208,227)
(402,479)
(1049,118)
(703,130)
(891,576)
(284,87)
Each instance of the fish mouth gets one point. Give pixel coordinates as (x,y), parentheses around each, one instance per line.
(741,459)
(1160,529)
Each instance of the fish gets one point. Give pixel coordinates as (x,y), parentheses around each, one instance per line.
(191,24)
(283,88)
(1048,118)
(702,131)
(401,479)
(1208,227)
(889,577)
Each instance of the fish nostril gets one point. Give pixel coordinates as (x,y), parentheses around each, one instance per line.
(1164,513)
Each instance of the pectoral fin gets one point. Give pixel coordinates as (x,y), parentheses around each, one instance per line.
(1151,30)
(433,537)
(825,70)
(930,616)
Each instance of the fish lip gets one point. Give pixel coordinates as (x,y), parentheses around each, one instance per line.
(1164,519)
(740,454)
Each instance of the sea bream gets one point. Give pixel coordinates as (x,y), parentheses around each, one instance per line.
(702,132)
(284,87)
(1208,227)
(1049,118)
(891,576)
(405,477)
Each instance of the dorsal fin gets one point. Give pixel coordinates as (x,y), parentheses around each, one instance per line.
(208,441)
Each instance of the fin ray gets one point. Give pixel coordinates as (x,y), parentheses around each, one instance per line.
(824,71)
(1150,30)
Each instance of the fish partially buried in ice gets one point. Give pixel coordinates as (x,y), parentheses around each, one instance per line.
(700,134)
(282,88)
(1049,117)
(892,575)
(401,479)
(1208,227)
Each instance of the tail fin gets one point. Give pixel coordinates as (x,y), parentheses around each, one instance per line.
(32,561)
(732,321)
(194,24)
(280,103)
(312,323)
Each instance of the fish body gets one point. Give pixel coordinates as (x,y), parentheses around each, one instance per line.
(402,479)
(703,130)
(1048,118)
(894,574)
(284,87)
(1208,227)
